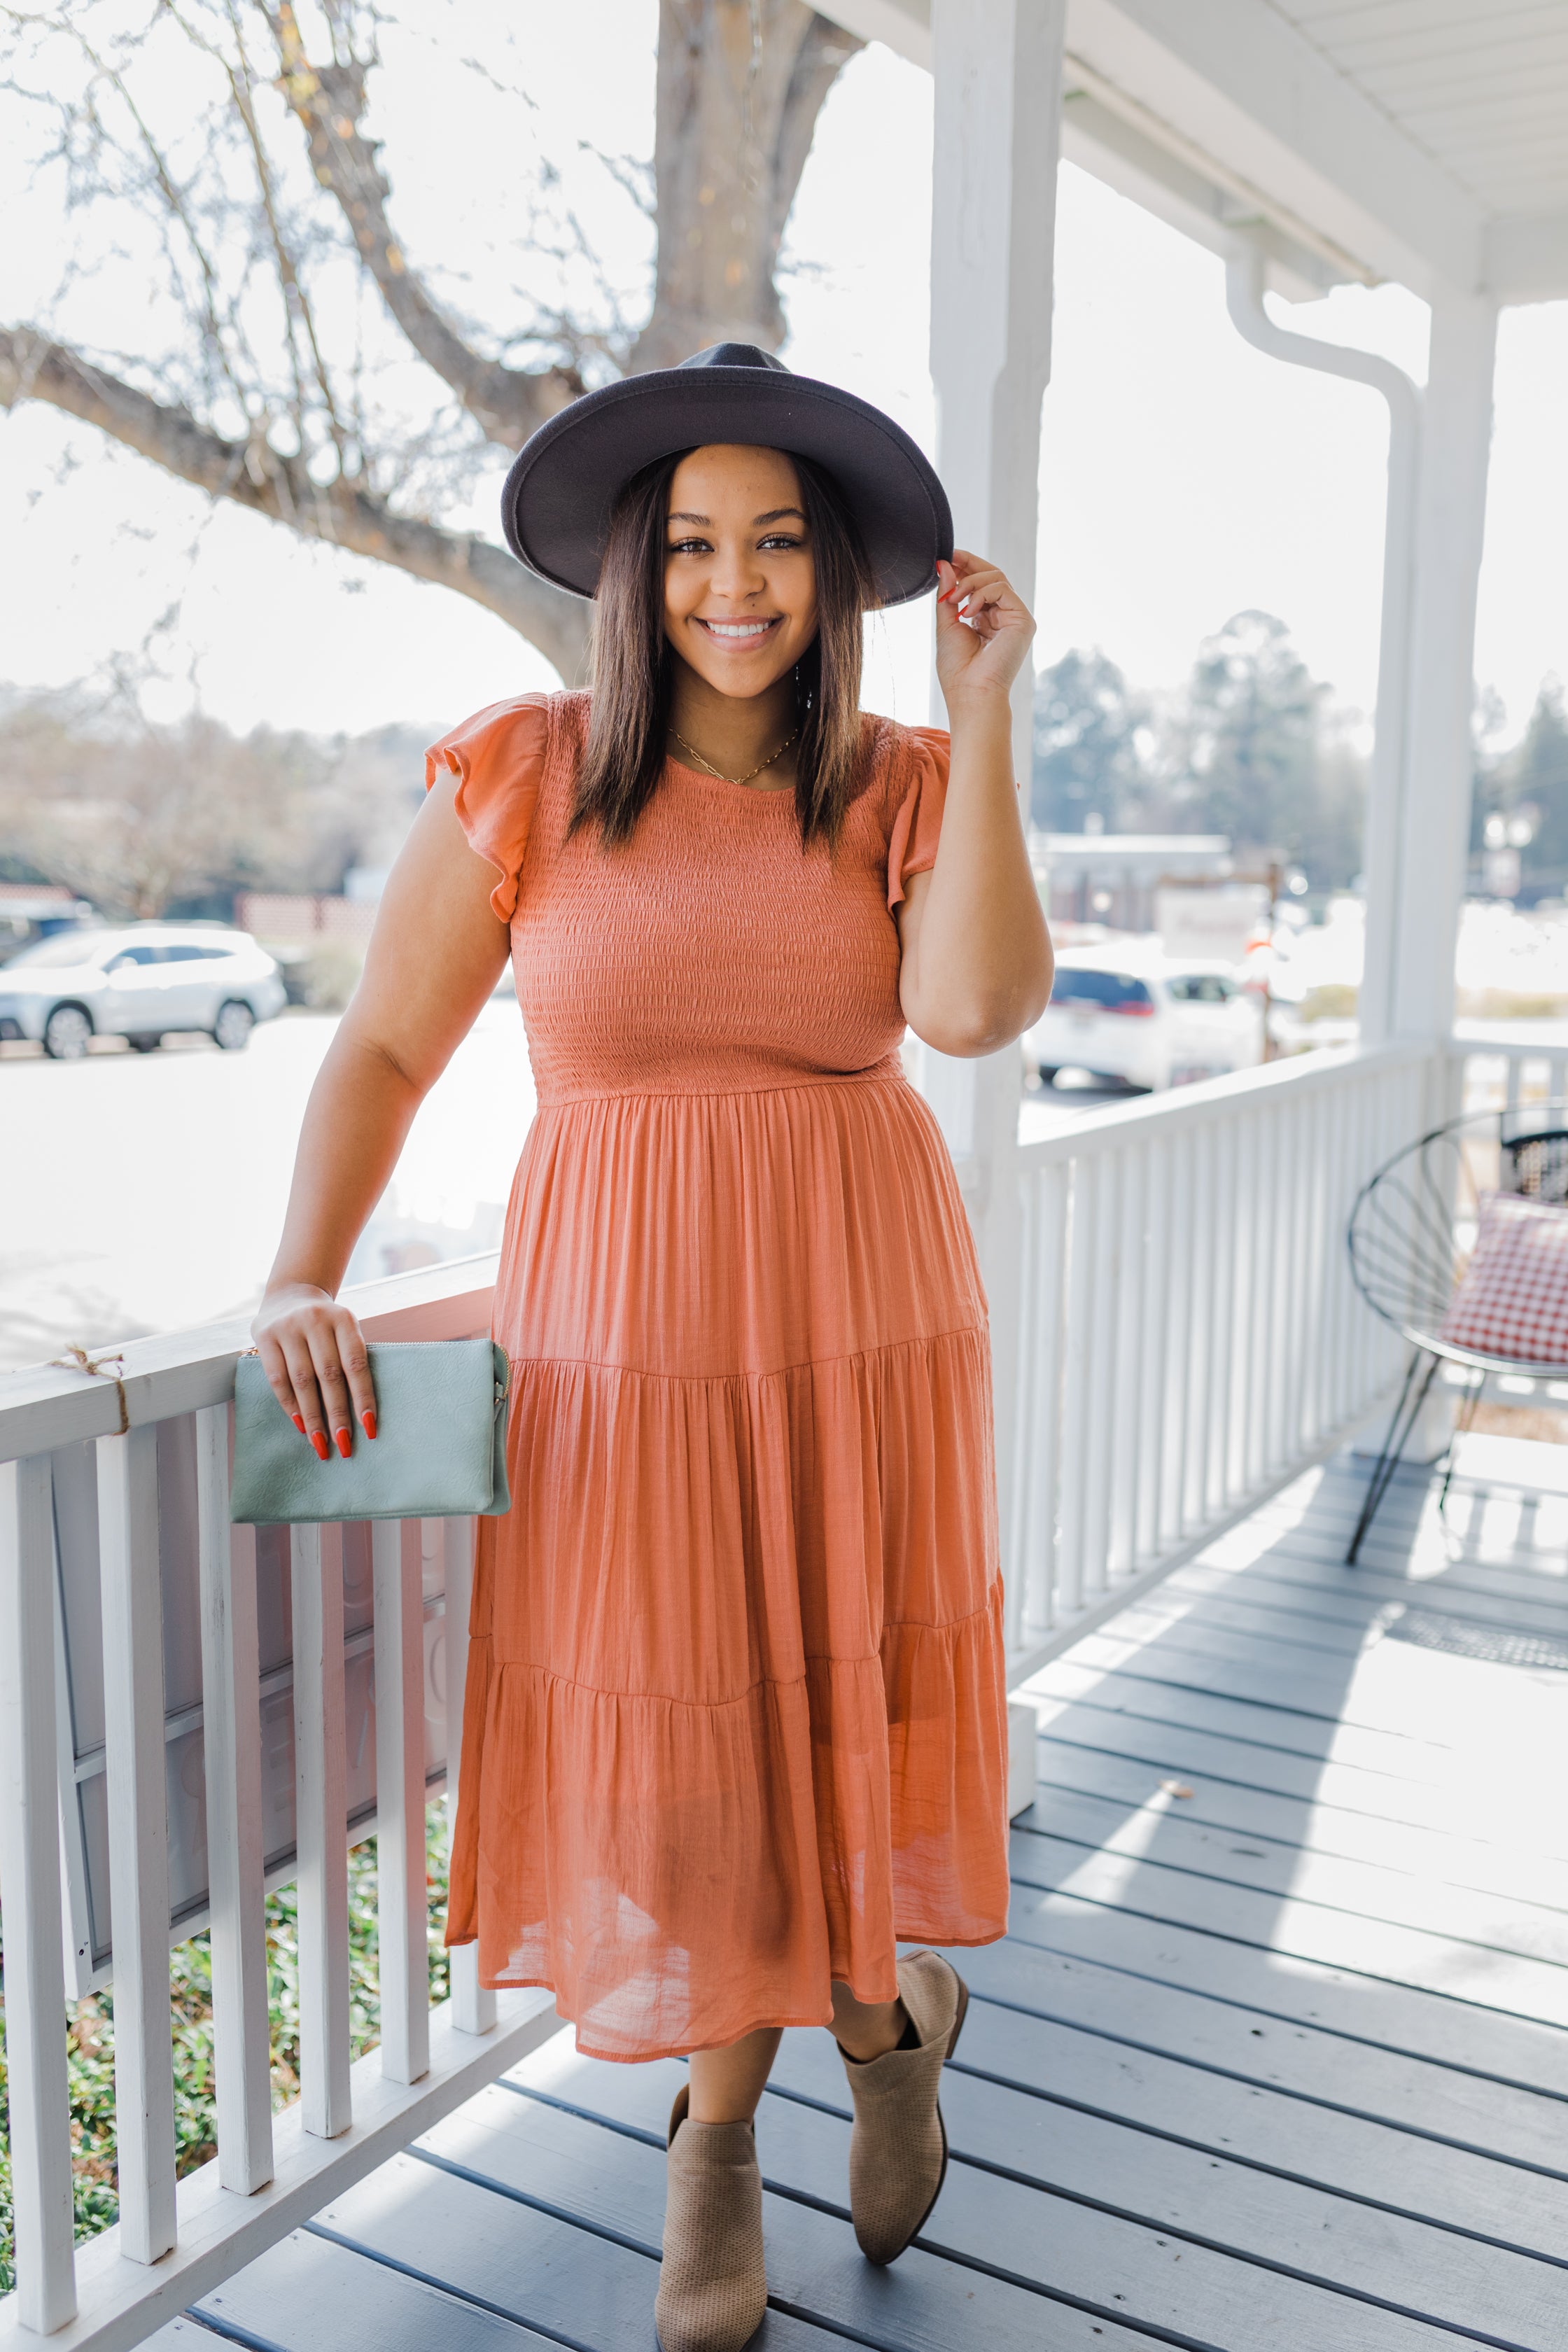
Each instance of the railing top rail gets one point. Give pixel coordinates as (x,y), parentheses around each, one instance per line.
(1214,1098)
(1473,1038)
(176,1372)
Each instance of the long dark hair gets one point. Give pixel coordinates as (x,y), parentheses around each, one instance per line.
(633,665)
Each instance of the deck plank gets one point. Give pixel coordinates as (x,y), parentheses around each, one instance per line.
(535,2263)
(1057,2241)
(307,2291)
(1411,1756)
(1307,1823)
(1301,1987)
(1198,2027)
(1165,1831)
(924,2304)
(1416,1705)
(1304,1929)
(1272,1587)
(1531,1824)
(1189,2172)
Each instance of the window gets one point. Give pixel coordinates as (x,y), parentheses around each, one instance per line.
(193,955)
(138,955)
(1106,992)
(1200,988)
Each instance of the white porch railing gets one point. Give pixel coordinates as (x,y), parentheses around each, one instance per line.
(172,2245)
(1189,1339)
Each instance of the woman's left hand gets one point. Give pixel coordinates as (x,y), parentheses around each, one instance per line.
(982,629)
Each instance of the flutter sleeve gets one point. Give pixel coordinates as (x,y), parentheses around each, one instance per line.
(497,758)
(912,846)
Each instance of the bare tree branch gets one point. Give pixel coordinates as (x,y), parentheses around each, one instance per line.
(329,101)
(254,474)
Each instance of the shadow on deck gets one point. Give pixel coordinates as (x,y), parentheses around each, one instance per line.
(1273,2056)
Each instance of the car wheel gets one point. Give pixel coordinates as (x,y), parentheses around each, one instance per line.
(143,1044)
(233,1026)
(67,1034)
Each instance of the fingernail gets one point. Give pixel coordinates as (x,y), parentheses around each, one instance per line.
(346,1443)
(367,1422)
(298,1421)
(319,1443)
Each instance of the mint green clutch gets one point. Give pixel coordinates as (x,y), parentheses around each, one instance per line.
(439,1449)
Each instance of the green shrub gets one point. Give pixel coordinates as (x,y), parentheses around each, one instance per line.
(89,2038)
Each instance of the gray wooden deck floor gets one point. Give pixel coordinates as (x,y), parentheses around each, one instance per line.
(1275,2055)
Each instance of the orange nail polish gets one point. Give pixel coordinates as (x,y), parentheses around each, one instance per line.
(298,1421)
(367,1422)
(346,1443)
(319,1443)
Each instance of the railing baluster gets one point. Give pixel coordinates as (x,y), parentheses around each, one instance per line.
(402,1910)
(1044,1343)
(1127,1402)
(1200,1316)
(231,1718)
(35,1987)
(1296,1262)
(1098,1347)
(473,2004)
(1013,1509)
(321,1805)
(1221,1333)
(132,1612)
(1151,1370)
(1244,1275)
(1178,1330)
(1084,1177)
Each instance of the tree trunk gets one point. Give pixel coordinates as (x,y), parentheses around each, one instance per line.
(741,84)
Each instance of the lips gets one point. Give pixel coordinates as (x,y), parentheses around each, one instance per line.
(741,635)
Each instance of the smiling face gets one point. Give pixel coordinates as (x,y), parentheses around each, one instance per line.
(740,580)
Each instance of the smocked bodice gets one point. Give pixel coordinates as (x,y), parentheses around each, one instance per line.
(711,953)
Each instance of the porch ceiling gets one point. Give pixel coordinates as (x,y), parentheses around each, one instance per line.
(1424,140)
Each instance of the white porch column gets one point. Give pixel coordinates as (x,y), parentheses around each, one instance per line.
(998,70)
(1449,525)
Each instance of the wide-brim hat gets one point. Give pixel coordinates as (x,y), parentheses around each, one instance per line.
(556,505)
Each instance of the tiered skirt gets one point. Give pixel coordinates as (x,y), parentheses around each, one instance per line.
(735,1718)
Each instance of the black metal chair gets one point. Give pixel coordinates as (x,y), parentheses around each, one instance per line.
(1410,1235)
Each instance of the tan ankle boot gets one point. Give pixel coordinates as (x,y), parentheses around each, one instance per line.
(713,2289)
(897,2149)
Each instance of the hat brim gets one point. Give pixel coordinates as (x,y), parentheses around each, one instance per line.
(556,504)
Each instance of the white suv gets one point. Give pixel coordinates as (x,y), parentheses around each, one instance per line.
(1121,1010)
(138,983)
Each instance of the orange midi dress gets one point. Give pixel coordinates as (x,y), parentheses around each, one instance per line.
(735,1719)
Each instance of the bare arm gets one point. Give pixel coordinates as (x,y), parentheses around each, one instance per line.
(976,968)
(433,958)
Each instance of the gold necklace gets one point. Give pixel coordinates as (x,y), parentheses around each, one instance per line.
(707,765)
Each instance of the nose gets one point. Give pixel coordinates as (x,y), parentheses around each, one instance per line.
(737,575)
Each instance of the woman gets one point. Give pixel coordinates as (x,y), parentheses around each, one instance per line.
(735,1718)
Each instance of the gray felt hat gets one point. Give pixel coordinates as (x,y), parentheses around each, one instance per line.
(563,481)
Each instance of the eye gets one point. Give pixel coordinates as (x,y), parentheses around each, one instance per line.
(688,547)
(781,539)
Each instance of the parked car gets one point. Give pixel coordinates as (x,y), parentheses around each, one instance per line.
(139,983)
(1130,1014)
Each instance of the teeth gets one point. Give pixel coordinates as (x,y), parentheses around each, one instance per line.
(737,628)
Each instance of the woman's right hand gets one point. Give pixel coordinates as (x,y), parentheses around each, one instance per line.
(317,1365)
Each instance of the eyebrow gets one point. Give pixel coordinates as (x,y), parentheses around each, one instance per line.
(775,514)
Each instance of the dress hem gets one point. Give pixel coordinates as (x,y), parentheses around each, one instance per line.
(758,2025)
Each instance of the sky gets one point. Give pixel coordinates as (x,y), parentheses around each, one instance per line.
(1184,477)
